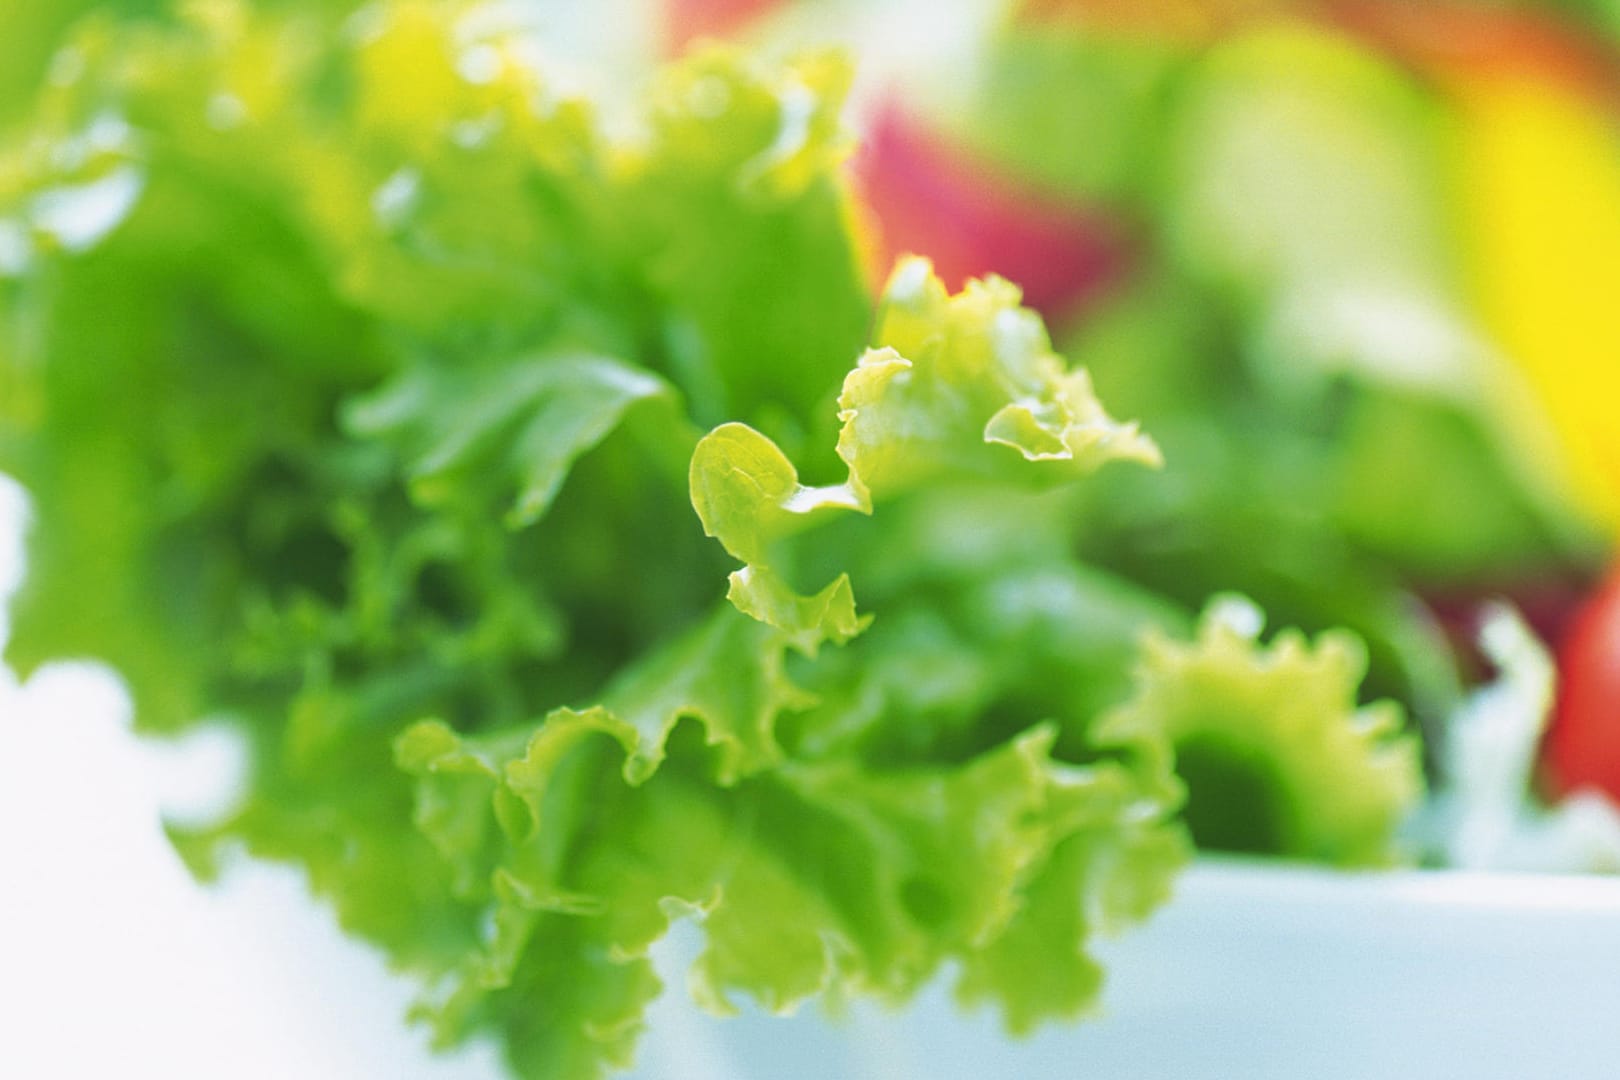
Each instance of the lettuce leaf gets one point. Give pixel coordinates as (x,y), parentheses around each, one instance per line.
(520,426)
(715,792)
(888,873)
(954,389)
(1277,755)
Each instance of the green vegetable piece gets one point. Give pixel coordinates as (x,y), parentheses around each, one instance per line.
(958,389)
(1277,755)
(969,384)
(525,421)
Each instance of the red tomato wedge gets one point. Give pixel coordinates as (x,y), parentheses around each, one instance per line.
(1583,746)
(686,21)
(926,194)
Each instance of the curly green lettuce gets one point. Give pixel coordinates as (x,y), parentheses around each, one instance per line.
(738,803)
(1278,756)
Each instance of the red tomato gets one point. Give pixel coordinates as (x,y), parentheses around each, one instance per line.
(926,194)
(1583,746)
(685,21)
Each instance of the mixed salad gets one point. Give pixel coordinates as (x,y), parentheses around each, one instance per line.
(564,478)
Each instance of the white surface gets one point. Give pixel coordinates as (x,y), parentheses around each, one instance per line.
(113,962)
(116,964)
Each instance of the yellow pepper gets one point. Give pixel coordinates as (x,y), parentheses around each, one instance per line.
(1539,173)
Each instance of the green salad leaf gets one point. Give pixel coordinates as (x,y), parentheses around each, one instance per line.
(1278,756)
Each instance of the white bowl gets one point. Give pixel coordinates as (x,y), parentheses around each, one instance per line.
(1260,970)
